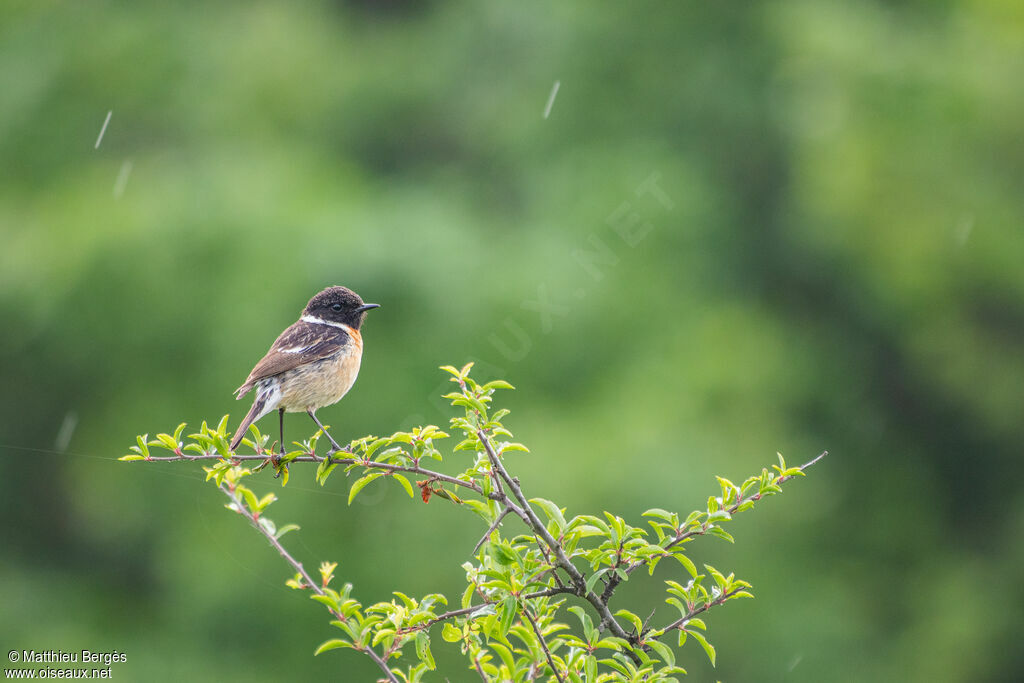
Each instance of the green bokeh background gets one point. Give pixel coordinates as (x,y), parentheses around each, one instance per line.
(836,262)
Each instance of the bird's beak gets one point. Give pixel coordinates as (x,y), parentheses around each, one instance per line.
(367,307)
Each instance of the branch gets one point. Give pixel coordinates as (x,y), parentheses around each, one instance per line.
(313,457)
(682,536)
(490,530)
(483,676)
(493,483)
(579,582)
(243,510)
(415,469)
(441,617)
(681,621)
(731,510)
(543,644)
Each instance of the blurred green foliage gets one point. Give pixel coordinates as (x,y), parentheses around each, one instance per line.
(840,268)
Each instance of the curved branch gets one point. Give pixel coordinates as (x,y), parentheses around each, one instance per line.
(243,510)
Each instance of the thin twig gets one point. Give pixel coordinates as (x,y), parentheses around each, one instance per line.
(682,536)
(476,665)
(464,611)
(678,623)
(242,509)
(491,529)
(543,644)
(441,617)
(812,462)
(312,457)
(414,469)
(548,592)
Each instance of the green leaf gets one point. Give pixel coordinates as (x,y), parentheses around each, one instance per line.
(408,489)
(663,650)
(718,576)
(423,650)
(332,644)
(661,514)
(683,611)
(360,483)
(632,618)
(167,441)
(509,608)
(553,512)
(504,554)
(222,426)
(372,448)
(686,562)
(506,656)
(265,501)
(381,635)
(250,498)
(708,647)
(585,620)
(721,533)
(595,577)
(285,529)
(598,523)
(325,600)
(450,633)
(323,470)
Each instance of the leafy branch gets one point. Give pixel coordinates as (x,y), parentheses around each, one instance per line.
(243,502)
(510,620)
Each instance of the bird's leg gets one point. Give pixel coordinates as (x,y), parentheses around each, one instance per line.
(280,413)
(312,414)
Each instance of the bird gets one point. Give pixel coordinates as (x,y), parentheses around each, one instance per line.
(311,364)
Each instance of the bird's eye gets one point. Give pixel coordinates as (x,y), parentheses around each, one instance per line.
(335,307)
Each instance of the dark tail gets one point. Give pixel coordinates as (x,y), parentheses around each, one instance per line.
(258,410)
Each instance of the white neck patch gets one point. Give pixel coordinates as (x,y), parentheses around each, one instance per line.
(320,321)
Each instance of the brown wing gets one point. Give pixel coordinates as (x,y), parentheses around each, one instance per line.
(300,344)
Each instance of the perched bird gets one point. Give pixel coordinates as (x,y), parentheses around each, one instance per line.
(312,364)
